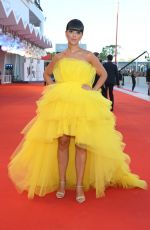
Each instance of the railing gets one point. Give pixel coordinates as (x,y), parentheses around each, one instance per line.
(133,60)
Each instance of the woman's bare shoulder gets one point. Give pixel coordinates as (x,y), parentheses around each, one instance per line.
(59,56)
(89,56)
(54,60)
(86,54)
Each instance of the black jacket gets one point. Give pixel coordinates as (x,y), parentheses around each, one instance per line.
(148,75)
(112,73)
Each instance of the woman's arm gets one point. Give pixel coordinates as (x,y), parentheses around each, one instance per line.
(49,70)
(101,72)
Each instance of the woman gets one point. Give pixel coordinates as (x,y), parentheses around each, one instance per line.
(72,141)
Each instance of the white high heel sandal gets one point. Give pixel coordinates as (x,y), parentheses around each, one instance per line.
(80,198)
(59,194)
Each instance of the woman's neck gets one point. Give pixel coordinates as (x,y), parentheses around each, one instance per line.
(73,49)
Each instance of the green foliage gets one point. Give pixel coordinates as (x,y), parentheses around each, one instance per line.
(108,50)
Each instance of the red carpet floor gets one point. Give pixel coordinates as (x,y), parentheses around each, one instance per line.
(118,210)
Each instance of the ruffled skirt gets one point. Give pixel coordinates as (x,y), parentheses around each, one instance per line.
(66,108)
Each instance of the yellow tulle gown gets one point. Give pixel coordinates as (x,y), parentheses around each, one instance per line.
(67,108)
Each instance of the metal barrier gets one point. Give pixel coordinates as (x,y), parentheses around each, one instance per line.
(6,79)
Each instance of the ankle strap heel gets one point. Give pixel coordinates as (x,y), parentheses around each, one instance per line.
(80,198)
(60,194)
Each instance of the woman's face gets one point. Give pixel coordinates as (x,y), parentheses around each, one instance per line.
(73,37)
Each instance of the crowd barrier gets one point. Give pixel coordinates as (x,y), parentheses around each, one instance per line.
(140,81)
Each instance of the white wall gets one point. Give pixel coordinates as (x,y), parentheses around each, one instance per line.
(20,9)
(2,57)
(33,70)
(37,12)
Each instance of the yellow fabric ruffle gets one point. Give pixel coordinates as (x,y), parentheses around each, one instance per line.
(67,108)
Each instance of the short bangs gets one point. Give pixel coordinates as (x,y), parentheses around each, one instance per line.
(75,25)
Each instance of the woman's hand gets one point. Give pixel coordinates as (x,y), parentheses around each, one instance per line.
(87,87)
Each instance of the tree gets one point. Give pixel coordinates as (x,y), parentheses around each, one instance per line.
(108,50)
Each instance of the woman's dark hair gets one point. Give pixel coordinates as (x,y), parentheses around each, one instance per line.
(76,25)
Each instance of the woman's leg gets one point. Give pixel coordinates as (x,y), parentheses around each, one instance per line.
(133,86)
(63,149)
(81,155)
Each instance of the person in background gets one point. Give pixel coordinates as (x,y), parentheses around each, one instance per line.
(112,79)
(123,78)
(120,77)
(148,80)
(133,77)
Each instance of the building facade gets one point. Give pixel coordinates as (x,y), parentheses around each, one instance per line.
(62,47)
(22,40)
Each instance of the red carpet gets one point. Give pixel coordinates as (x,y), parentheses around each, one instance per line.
(118,210)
